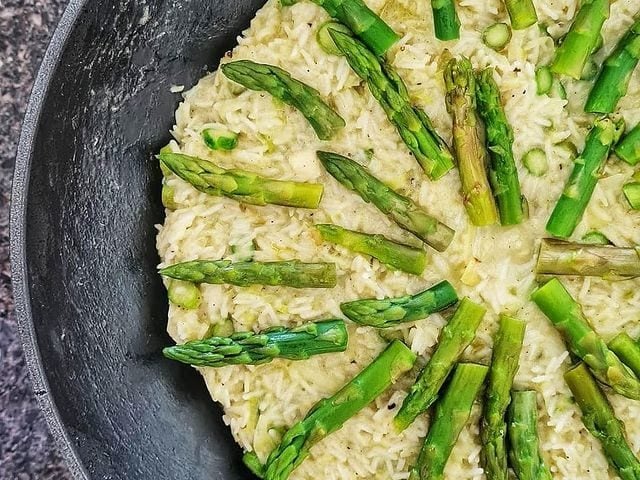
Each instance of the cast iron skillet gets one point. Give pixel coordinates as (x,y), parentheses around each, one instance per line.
(91,308)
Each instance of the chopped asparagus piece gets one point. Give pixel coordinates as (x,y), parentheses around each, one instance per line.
(535,161)
(628,149)
(558,90)
(522,13)
(589,71)
(168,200)
(627,350)
(184,294)
(632,194)
(219,139)
(324,39)
(497,36)
(596,238)
(445,19)
(544,80)
(599,44)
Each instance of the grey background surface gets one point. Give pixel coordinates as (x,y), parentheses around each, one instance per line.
(26,448)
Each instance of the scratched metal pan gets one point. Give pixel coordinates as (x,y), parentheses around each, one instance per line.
(91,309)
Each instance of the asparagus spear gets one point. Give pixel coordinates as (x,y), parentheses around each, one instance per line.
(393,311)
(396,255)
(277,82)
(503,172)
(387,87)
(524,454)
(628,149)
(400,209)
(248,348)
(292,273)
(563,258)
(451,414)
(584,177)
(504,365)
(241,185)
(627,350)
(522,13)
(581,39)
(600,420)
(445,19)
(613,80)
(566,315)
(454,339)
(472,157)
(328,415)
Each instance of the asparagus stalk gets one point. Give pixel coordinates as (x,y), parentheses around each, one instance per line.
(400,209)
(522,13)
(524,453)
(566,315)
(587,167)
(504,365)
(613,80)
(277,82)
(503,172)
(581,39)
(627,350)
(557,257)
(454,339)
(628,149)
(387,87)
(248,348)
(330,414)
(241,185)
(445,19)
(396,255)
(451,414)
(292,273)
(472,157)
(391,312)
(631,192)
(600,420)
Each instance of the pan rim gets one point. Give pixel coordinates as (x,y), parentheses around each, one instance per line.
(17,242)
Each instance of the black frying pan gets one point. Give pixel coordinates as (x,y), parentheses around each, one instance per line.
(91,308)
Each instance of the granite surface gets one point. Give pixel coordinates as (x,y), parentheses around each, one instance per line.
(26,448)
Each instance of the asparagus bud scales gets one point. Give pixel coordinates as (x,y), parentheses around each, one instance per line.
(566,315)
(600,420)
(445,19)
(390,312)
(330,414)
(400,209)
(627,350)
(277,82)
(454,339)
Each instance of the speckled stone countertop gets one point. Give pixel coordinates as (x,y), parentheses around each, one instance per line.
(26,448)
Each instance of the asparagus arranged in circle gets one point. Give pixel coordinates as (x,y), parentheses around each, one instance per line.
(566,315)
(524,452)
(405,258)
(292,273)
(522,13)
(248,348)
(451,414)
(330,414)
(503,173)
(387,87)
(557,257)
(572,55)
(599,418)
(504,365)
(241,185)
(454,339)
(583,179)
(627,350)
(613,80)
(445,19)
(280,84)
(628,149)
(400,209)
(467,141)
(391,312)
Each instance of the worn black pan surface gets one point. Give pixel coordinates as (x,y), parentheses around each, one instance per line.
(86,197)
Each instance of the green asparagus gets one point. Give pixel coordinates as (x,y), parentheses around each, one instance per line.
(600,420)
(587,167)
(581,39)
(522,13)
(544,80)
(631,192)
(451,414)
(400,209)
(524,453)
(628,149)
(330,414)
(277,82)
(391,312)
(595,237)
(566,315)
(470,151)
(504,365)
(627,350)
(291,273)
(219,139)
(613,80)
(454,339)
(184,294)
(248,348)
(241,185)
(387,87)
(497,36)
(396,255)
(503,172)
(445,19)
